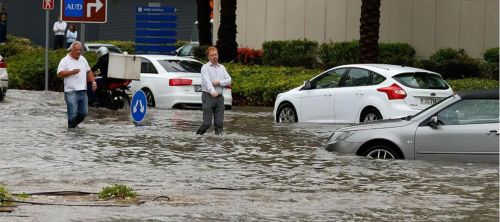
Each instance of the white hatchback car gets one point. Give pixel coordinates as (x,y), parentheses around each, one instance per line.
(361,93)
(4,78)
(172,82)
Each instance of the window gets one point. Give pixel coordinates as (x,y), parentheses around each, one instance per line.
(147,67)
(329,79)
(377,78)
(473,111)
(421,80)
(181,66)
(187,50)
(357,77)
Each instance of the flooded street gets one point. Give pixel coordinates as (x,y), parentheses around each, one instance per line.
(257,171)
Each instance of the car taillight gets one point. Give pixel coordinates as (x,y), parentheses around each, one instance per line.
(393,92)
(180,82)
(3,64)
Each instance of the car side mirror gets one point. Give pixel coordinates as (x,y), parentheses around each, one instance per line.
(307,85)
(434,123)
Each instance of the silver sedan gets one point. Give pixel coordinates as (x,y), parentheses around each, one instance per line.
(463,127)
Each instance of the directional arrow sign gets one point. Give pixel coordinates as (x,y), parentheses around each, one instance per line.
(138,106)
(84,11)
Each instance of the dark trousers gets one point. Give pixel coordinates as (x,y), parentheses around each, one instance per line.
(212,107)
(58,41)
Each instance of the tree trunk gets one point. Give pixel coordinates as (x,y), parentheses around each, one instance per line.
(369,31)
(226,42)
(204,26)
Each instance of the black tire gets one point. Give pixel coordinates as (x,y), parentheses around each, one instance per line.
(150,97)
(286,114)
(369,115)
(1,96)
(381,152)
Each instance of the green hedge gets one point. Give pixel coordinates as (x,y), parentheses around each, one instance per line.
(259,85)
(16,45)
(451,64)
(472,83)
(294,53)
(491,55)
(27,70)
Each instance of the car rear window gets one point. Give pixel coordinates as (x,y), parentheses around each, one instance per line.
(421,80)
(181,66)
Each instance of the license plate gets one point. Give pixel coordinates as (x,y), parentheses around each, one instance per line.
(197,88)
(429,100)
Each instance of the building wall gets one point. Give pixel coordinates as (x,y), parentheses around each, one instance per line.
(427,25)
(28,20)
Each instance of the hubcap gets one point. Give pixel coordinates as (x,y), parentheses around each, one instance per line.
(287,115)
(370,117)
(380,154)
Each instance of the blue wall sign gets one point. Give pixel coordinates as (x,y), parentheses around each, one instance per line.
(138,106)
(155,30)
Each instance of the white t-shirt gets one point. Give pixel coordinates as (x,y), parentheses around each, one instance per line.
(78,81)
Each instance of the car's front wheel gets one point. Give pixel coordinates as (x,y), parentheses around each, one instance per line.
(369,115)
(381,152)
(286,114)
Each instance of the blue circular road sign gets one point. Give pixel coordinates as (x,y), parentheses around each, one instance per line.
(138,106)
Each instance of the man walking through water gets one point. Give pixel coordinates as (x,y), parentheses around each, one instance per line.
(214,79)
(75,70)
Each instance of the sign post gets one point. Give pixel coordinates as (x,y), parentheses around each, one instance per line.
(47,5)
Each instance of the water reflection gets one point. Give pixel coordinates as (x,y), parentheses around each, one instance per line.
(256,171)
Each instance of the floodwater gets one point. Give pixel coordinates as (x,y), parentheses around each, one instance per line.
(257,171)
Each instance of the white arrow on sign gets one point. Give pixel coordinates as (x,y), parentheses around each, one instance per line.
(97,5)
(141,107)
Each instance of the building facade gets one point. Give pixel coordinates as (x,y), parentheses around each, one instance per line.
(427,25)
(27,19)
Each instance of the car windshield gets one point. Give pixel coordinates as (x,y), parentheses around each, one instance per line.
(181,66)
(421,80)
(112,49)
(430,107)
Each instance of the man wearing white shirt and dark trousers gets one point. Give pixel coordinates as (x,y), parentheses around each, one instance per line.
(214,79)
(59,29)
(76,71)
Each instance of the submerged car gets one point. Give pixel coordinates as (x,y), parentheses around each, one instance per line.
(173,82)
(361,93)
(462,127)
(4,78)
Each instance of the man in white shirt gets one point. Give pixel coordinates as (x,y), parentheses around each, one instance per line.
(214,79)
(75,70)
(59,29)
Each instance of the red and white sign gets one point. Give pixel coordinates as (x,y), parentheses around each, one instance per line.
(48,4)
(84,11)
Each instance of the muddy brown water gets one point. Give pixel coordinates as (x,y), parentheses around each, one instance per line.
(257,171)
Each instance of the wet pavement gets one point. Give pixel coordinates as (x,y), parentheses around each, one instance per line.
(257,171)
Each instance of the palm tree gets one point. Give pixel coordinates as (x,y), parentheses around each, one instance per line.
(369,31)
(203,16)
(226,35)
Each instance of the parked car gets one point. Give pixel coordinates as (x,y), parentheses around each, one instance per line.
(4,78)
(92,47)
(462,127)
(187,50)
(172,82)
(361,93)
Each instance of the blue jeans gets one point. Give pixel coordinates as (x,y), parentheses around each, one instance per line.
(76,103)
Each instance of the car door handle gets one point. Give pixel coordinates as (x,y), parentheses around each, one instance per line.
(493,132)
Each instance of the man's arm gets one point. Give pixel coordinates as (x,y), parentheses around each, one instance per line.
(227,79)
(66,73)
(206,78)
(90,78)
(55,27)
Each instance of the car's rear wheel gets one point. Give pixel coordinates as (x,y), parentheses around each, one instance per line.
(381,152)
(286,114)
(150,98)
(369,115)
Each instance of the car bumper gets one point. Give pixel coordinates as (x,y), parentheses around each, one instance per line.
(342,147)
(398,109)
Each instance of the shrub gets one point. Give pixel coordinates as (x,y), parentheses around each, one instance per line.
(126,46)
(339,53)
(200,52)
(117,190)
(491,55)
(27,70)
(451,64)
(472,83)
(259,85)
(250,56)
(16,45)
(5,196)
(396,54)
(295,53)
